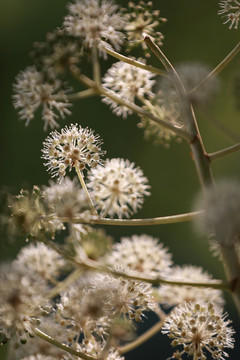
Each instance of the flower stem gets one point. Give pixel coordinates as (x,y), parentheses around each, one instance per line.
(133,107)
(79,174)
(65,283)
(96,66)
(134,62)
(82,94)
(218,68)
(138,222)
(202,163)
(215,284)
(224,152)
(64,347)
(141,339)
(141,112)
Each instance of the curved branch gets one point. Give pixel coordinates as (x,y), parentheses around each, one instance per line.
(141,339)
(138,222)
(218,68)
(224,152)
(64,347)
(136,63)
(133,107)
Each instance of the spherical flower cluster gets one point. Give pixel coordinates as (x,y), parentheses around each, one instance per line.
(96,22)
(230,9)
(173,295)
(41,260)
(32,91)
(21,296)
(67,199)
(142,255)
(142,19)
(129,83)
(74,146)
(221,206)
(89,306)
(118,187)
(191,75)
(199,327)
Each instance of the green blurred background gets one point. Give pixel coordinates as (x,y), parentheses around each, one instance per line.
(194,32)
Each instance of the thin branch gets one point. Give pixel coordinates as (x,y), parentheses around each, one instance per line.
(133,107)
(214,284)
(138,110)
(64,347)
(136,63)
(96,65)
(218,68)
(80,177)
(164,60)
(82,94)
(138,222)
(89,264)
(142,338)
(221,126)
(224,152)
(65,283)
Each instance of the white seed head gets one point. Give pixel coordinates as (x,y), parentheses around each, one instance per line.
(199,328)
(141,255)
(173,295)
(118,187)
(21,297)
(96,22)
(129,83)
(41,260)
(74,146)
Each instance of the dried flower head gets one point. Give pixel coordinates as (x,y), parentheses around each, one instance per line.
(173,295)
(74,146)
(230,9)
(31,215)
(96,22)
(32,91)
(118,187)
(129,83)
(199,328)
(41,260)
(221,206)
(67,199)
(142,255)
(166,110)
(141,18)
(21,297)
